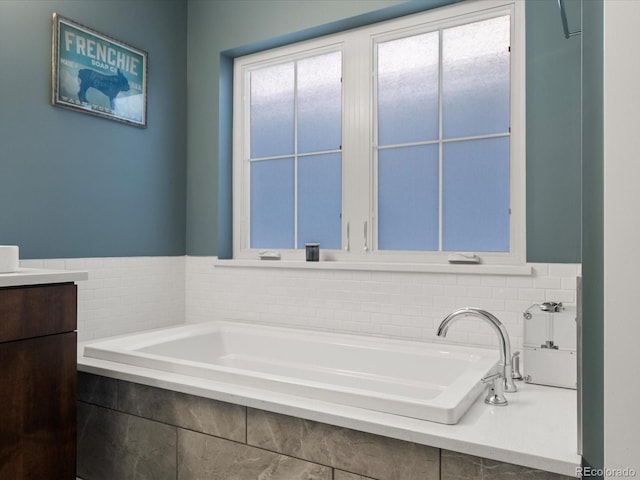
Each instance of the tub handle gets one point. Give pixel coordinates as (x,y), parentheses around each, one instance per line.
(515,365)
(495,396)
(491,378)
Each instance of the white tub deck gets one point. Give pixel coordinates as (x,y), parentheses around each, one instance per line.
(538,428)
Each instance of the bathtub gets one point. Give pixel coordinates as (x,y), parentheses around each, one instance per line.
(428,381)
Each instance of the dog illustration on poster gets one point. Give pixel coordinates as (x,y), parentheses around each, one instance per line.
(110,85)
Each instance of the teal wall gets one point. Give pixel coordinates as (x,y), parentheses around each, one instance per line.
(553,133)
(553,110)
(593,233)
(73,185)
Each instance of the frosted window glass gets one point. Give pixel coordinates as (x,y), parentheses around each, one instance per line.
(475,200)
(272,107)
(319,200)
(475,85)
(408,198)
(320,103)
(272,200)
(408,89)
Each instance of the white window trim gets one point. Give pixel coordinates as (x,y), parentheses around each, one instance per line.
(358,232)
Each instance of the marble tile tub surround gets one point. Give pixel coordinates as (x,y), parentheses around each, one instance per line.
(124,294)
(401,304)
(127,430)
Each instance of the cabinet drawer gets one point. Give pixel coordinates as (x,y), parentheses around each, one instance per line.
(34,311)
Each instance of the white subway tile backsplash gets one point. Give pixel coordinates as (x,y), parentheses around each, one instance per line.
(445,302)
(469,280)
(540,269)
(129,294)
(568,283)
(519,281)
(31,263)
(565,296)
(505,293)
(536,294)
(481,292)
(400,304)
(54,264)
(493,280)
(124,295)
(519,305)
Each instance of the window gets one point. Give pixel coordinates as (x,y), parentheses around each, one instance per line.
(295,111)
(400,141)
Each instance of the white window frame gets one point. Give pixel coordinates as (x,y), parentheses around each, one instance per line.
(358,232)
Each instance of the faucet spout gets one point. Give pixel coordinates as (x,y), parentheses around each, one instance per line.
(504,364)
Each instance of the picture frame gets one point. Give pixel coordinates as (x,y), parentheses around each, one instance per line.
(96,74)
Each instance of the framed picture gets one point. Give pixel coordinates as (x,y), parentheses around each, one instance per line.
(96,74)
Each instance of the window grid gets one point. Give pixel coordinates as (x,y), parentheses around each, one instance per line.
(440,141)
(295,155)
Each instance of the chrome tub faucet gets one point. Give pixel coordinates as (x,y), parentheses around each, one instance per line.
(502,379)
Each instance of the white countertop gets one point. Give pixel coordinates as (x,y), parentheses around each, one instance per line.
(538,429)
(39,276)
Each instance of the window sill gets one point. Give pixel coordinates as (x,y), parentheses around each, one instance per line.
(515,270)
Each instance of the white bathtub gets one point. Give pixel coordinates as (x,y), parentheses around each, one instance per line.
(428,381)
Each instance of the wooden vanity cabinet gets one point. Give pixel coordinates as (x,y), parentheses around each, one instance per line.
(38,382)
